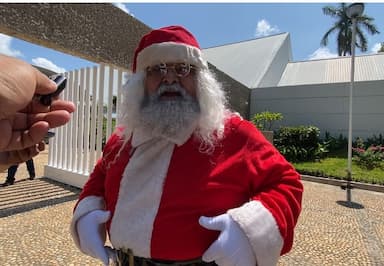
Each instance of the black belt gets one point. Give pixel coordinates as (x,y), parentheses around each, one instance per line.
(126,258)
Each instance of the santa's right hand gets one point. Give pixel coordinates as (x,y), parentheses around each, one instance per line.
(91,232)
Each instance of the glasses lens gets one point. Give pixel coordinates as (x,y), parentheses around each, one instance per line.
(182,69)
(160,70)
(156,71)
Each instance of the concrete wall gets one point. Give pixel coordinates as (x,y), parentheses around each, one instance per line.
(101,33)
(238,95)
(326,106)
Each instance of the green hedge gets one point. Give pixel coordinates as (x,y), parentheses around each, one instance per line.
(299,144)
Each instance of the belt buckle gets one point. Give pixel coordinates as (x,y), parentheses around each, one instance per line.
(125,256)
(131,261)
(131,258)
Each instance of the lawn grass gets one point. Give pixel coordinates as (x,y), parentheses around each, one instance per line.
(336,167)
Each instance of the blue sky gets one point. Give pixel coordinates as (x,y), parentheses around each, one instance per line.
(215,24)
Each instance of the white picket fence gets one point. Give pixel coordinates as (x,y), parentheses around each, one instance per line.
(77,146)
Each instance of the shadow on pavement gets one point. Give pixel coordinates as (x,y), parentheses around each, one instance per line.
(350,204)
(26,195)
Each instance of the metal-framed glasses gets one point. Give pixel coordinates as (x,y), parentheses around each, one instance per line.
(160,70)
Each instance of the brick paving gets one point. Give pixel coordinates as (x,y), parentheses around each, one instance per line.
(34,219)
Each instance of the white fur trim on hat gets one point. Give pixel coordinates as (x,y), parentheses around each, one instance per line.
(262,231)
(169,52)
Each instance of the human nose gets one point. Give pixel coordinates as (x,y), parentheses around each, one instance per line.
(170,77)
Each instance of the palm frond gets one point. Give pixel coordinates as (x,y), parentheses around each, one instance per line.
(330,11)
(324,40)
(361,40)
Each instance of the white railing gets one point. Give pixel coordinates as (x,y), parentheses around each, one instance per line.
(77,146)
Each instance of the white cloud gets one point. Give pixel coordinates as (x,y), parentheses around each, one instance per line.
(376,47)
(45,63)
(322,53)
(263,28)
(5,46)
(123,7)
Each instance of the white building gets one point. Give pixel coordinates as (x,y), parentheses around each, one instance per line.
(307,92)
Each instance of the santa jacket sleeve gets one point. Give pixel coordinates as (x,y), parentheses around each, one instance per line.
(270,216)
(92,195)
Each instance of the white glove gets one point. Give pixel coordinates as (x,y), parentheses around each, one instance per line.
(232,247)
(91,231)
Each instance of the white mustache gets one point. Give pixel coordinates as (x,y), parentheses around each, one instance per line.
(172,88)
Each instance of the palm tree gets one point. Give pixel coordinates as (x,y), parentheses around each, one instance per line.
(343,27)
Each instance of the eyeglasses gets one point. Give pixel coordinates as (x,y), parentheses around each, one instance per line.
(159,71)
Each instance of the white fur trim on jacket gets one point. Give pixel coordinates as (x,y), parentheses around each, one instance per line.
(141,188)
(169,52)
(262,231)
(85,206)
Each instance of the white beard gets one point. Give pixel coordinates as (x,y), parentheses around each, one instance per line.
(208,126)
(174,119)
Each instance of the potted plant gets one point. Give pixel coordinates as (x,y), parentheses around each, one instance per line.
(264,121)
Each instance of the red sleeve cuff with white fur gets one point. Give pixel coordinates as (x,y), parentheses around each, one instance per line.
(261,228)
(85,206)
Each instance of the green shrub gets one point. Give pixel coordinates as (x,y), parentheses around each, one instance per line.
(300,144)
(104,139)
(265,120)
(335,144)
(369,158)
(375,141)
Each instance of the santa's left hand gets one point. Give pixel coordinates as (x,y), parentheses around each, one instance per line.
(232,247)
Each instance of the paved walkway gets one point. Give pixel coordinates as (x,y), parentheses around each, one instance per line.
(34,219)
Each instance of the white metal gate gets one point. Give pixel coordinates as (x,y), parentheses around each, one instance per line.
(77,146)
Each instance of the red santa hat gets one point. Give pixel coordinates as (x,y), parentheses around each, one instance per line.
(169,44)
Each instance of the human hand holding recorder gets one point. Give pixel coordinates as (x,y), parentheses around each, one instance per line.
(24,117)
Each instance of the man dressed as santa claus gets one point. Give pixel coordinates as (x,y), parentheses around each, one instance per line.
(183,180)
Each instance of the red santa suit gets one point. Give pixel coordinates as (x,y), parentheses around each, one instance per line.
(156,191)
